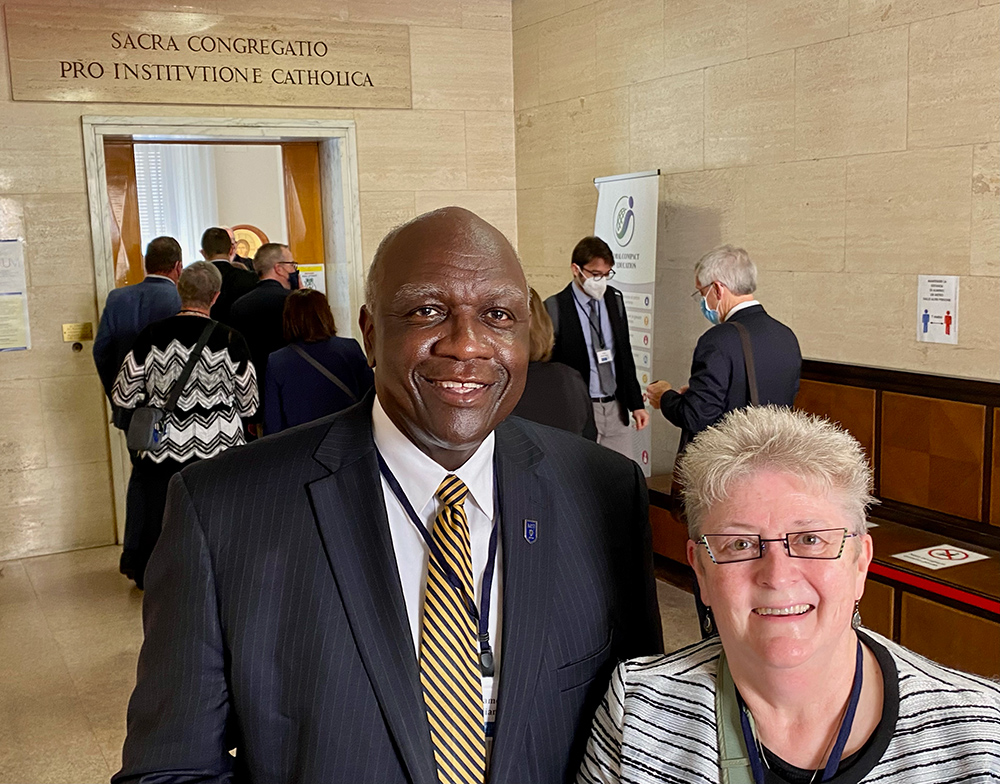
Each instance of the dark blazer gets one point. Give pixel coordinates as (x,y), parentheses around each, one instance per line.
(571,346)
(236,281)
(127,312)
(718,382)
(257,315)
(298,393)
(275,622)
(555,395)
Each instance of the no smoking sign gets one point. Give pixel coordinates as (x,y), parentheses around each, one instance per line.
(940,557)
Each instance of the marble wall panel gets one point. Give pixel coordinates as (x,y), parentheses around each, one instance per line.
(496,207)
(21,422)
(489,150)
(486,14)
(985,237)
(795,215)
(525,54)
(404,151)
(629,43)
(542,146)
(73,411)
(599,136)
(42,151)
(48,510)
(699,211)
(954,81)
(381,212)
(550,221)
(567,52)
(876,14)
(327,10)
(699,33)
(57,233)
(429,13)
(461,69)
(909,212)
(850,95)
(11,217)
(773,25)
(666,123)
(858,318)
(529,12)
(750,111)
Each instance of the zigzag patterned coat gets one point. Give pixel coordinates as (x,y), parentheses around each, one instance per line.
(222,387)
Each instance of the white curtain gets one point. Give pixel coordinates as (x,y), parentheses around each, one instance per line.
(177,193)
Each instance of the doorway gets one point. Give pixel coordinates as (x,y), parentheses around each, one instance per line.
(324,222)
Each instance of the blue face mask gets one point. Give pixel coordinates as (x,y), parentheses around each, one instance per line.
(707,312)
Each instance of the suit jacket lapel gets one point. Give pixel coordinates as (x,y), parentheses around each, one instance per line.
(526,591)
(350,513)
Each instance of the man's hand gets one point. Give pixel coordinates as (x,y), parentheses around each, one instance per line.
(655,391)
(641,417)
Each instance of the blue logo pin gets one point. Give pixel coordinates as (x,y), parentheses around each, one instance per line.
(530,531)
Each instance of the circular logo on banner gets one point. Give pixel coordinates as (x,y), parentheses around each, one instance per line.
(624,220)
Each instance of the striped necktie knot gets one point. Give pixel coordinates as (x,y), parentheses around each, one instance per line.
(452,491)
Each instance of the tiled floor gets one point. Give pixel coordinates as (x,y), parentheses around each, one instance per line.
(70,631)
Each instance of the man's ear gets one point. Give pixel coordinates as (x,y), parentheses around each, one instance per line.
(203,254)
(367,324)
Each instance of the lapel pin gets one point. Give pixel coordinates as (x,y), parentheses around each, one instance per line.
(530,531)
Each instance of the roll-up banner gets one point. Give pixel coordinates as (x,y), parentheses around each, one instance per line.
(626,220)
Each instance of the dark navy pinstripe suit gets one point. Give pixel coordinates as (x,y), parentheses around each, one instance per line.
(275,620)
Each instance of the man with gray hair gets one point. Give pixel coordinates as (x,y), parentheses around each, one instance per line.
(745,343)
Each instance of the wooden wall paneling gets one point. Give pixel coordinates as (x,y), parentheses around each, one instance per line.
(950,637)
(851,407)
(877,607)
(932,453)
(669,535)
(126,237)
(995,473)
(303,204)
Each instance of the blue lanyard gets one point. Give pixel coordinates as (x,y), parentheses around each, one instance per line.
(479,616)
(756,764)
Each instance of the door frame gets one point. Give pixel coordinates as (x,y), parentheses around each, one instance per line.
(337,140)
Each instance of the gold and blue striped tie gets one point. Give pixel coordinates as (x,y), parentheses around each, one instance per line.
(449,664)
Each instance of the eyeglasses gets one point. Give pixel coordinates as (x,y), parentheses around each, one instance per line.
(293,263)
(826,545)
(700,292)
(595,276)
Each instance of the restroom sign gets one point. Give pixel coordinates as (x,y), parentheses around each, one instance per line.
(940,557)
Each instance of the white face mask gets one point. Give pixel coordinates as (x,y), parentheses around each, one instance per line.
(595,288)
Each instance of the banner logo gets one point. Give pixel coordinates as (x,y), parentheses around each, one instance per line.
(624,220)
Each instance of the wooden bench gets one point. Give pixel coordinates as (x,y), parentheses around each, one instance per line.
(934,443)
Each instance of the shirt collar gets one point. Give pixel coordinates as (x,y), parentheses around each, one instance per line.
(420,476)
(741,306)
(161,277)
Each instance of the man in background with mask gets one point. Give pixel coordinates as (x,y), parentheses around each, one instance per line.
(725,280)
(257,314)
(592,336)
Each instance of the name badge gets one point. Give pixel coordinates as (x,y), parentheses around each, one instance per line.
(604,356)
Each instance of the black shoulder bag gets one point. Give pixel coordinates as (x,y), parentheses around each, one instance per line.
(147,427)
(748,361)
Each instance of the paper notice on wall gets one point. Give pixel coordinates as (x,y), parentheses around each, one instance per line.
(937,309)
(14,332)
(312,276)
(940,557)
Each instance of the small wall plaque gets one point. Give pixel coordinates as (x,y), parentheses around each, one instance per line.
(75,332)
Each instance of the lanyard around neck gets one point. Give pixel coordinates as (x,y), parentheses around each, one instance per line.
(480,616)
(830,770)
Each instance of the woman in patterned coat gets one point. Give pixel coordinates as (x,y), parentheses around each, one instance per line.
(794,690)
(222,388)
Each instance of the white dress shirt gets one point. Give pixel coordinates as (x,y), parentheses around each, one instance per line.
(583,301)
(742,306)
(420,477)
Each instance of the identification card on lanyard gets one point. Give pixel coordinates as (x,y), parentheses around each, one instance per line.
(604,356)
